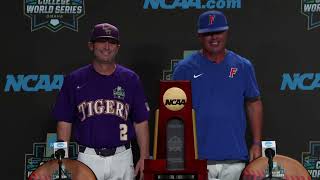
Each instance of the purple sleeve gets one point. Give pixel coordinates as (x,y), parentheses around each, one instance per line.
(140,108)
(64,109)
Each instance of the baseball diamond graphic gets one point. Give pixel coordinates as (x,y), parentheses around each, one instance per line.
(311,159)
(311,9)
(167,73)
(54,16)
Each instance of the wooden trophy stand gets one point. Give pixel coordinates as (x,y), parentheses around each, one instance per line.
(175,146)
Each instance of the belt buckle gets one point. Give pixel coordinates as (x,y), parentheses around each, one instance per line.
(105,152)
(120,149)
(101,152)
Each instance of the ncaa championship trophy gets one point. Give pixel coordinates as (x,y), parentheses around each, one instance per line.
(175,153)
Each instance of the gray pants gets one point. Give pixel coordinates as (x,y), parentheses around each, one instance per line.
(230,171)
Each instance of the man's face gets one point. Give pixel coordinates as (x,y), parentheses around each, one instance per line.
(214,42)
(104,50)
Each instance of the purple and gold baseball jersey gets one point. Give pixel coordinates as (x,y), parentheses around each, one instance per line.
(102,108)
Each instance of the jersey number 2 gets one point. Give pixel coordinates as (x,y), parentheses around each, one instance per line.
(123,132)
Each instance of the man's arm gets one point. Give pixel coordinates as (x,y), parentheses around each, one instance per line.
(254,110)
(64,131)
(142,131)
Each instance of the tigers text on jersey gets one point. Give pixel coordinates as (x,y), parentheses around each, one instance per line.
(101,108)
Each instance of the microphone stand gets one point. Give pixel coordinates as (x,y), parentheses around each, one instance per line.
(60,167)
(270,162)
(270,166)
(270,153)
(59,155)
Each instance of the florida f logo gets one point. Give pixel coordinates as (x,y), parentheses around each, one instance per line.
(232,72)
(211,19)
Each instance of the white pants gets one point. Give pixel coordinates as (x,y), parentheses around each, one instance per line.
(225,171)
(117,167)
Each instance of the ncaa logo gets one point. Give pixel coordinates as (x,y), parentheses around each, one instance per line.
(60,145)
(174,99)
(268,144)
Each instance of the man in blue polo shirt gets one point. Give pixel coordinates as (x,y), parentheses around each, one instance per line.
(224,89)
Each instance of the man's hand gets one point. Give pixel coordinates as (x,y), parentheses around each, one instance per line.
(139,168)
(255,152)
(142,131)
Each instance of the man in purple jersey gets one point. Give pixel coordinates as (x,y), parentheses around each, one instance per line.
(105,106)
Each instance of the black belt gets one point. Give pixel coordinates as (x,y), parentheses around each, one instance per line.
(104,151)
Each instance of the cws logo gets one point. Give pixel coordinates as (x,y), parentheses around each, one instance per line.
(311,9)
(33,83)
(298,81)
(174,99)
(311,159)
(43,152)
(167,73)
(191,4)
(54,14)
(175,144)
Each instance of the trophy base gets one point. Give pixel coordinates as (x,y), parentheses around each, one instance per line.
(193,170)
(176,176)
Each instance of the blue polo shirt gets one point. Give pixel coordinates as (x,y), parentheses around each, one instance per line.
(219,92)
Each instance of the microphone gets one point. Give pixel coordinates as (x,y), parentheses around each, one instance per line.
(270,153)
(60,149)
(266,145)
(59,154)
